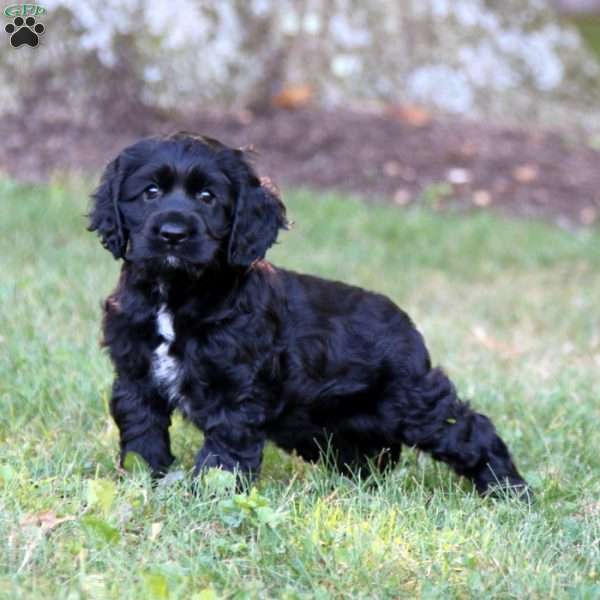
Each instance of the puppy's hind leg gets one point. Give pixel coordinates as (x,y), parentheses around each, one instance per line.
(434,420)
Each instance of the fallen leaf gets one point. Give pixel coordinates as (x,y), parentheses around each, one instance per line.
(588,215)
(293,97)
(402,197)
(527,173)
(411,114)
(482,198)
(44,520)
(468,150)
(491,343)
(405,172)
(38,524)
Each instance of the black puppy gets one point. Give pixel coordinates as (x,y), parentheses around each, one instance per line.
(249,352)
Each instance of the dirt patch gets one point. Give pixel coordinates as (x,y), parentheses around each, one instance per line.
(397,155)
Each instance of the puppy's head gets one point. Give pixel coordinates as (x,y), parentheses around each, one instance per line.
(184,201)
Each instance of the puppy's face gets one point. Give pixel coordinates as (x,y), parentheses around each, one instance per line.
(176,203)
(183,202)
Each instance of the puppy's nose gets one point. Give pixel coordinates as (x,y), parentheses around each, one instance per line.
(173,233)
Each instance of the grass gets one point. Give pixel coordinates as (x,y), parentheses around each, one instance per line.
(509,308)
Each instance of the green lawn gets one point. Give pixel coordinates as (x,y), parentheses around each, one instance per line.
(511,309)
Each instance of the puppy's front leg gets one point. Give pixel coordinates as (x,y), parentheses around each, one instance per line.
(143,419)
(234,441)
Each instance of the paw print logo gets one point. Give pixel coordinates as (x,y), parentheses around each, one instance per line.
(24,31)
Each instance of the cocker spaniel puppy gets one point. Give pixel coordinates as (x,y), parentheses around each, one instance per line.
(201,323)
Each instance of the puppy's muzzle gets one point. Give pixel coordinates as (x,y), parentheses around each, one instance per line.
(172,229)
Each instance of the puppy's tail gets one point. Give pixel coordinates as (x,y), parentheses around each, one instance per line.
(435,420)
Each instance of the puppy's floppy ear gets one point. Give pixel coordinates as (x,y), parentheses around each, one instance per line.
(105,217)
(259,215)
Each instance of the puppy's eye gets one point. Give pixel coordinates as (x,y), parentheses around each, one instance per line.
(152,192)
(206,196)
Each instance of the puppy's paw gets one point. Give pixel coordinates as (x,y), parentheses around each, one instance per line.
(208,460)
(158,460)
(509,489)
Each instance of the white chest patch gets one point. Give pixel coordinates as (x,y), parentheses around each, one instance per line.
(166,369)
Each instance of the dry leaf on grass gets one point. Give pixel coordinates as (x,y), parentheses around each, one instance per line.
(44,520)
(491,343)
(37,525)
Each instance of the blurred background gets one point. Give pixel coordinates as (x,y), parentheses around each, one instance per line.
(426,149)
(493,103)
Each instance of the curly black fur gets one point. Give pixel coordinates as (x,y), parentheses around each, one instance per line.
(200,322)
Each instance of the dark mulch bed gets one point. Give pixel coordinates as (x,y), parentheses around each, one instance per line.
(384,155)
